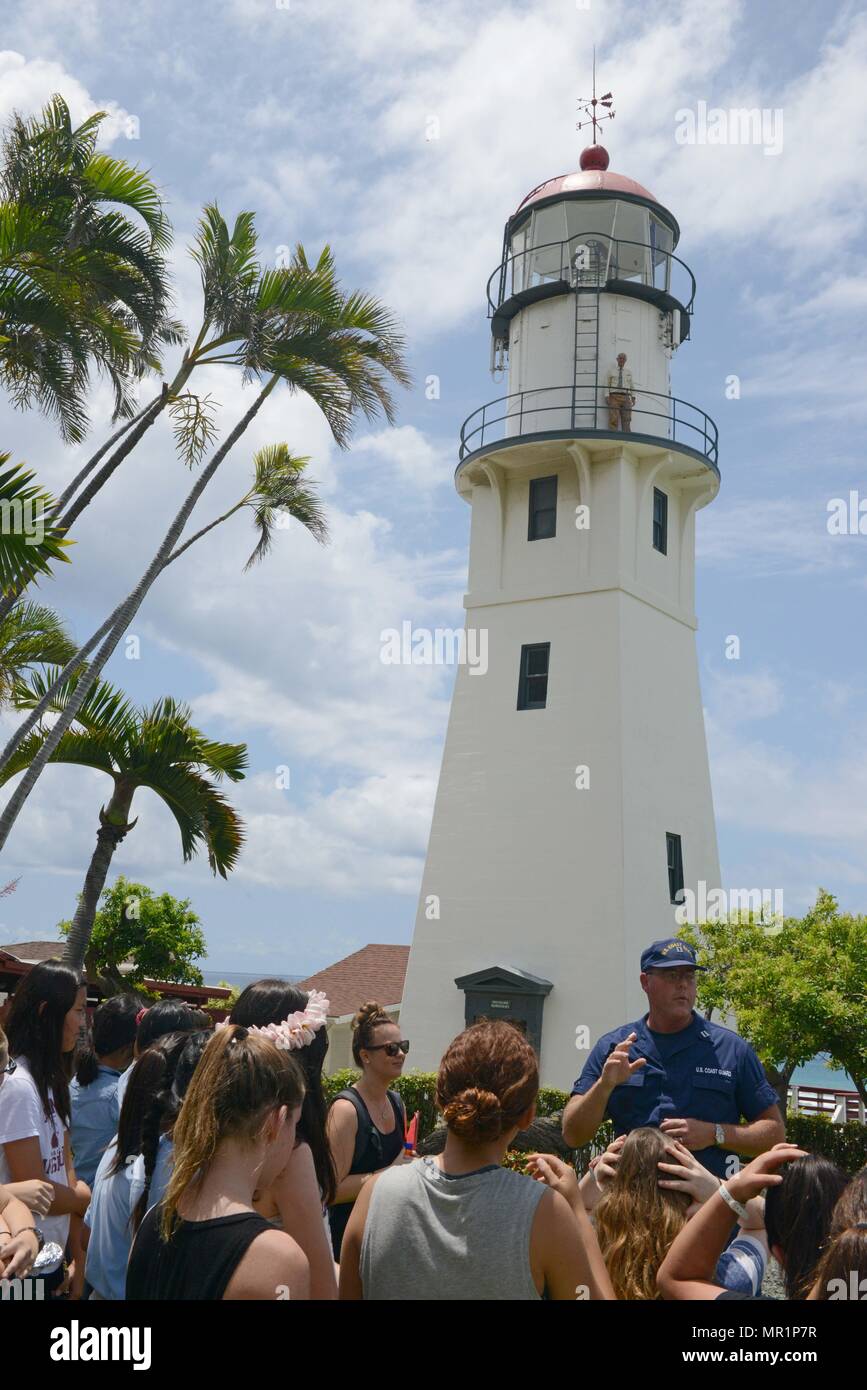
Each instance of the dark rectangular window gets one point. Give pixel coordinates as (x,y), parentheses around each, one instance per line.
(543,509)
(660,521)
(674,852)
(533,682)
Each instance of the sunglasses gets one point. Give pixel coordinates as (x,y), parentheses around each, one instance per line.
(390,1049)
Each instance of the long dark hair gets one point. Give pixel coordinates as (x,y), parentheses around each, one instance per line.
(169,1016)
(114,1027)
(38,1036)
(270,1001)
(798,1213)
(181,1053)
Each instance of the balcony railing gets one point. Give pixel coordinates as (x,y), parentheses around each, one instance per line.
(592,260)
(582,410)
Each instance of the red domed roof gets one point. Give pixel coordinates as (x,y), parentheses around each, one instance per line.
(586,180)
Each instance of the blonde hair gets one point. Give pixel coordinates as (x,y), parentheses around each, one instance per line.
(636,1219)
(241,1079)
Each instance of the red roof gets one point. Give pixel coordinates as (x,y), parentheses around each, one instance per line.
(32,952)
(586,180)
(20,957)
(374,972)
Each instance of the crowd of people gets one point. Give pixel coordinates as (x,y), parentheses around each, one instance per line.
(148,1154)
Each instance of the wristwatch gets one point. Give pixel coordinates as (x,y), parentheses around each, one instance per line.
(719,1134)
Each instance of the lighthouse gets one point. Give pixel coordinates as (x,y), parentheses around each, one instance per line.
(574,801)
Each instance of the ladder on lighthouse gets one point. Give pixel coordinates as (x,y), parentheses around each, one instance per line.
(586,394)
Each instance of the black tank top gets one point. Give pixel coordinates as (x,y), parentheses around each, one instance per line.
(373,1151)
(199,1260)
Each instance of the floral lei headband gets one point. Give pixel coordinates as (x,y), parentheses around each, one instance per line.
(299,1029)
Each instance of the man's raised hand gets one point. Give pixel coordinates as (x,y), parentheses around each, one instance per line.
(618,1068)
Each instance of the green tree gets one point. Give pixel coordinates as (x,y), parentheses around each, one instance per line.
(292,325)
(29,540)
(795,988)
(158,748)
(154,936)
(83,283)
(30,636)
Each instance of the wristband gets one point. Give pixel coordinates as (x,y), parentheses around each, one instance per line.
(732,1202)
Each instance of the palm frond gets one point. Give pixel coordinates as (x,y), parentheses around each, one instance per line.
(193,425)
(280,492)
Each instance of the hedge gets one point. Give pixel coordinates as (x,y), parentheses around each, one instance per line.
(844,1144)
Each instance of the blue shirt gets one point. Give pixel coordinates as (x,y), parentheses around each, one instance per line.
(703,1072)
(95,1112)
(109,1216)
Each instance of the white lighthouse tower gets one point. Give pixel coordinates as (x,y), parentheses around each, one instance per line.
(574,799)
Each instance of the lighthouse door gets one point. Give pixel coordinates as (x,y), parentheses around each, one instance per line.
(506,993)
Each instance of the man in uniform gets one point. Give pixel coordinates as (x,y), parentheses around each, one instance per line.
(695,1080)
(621,397)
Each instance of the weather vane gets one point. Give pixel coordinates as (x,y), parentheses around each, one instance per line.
(589,107)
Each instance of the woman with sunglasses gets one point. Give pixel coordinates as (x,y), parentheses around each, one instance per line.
(367,1121)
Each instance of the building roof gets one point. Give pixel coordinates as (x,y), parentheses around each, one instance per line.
(374,972)
(32,952)
(586,181)
(19,957)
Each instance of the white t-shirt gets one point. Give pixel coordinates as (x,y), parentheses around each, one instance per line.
(22,1116)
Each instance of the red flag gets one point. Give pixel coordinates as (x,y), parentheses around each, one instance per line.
(411,1137)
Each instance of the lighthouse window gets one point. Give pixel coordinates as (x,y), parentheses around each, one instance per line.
(660,521)
(543,509)
(674,851)
(533,682)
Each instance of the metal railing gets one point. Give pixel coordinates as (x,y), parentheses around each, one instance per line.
(562,410)
(591,260)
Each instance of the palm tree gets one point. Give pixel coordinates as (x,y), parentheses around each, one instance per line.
(157,747)
(279,493)
(293,325)
(31,635)
(81,283)
(29,539)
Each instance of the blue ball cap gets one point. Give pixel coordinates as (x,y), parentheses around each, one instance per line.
(671,951)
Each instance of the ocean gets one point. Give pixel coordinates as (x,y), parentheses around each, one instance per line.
(240,978)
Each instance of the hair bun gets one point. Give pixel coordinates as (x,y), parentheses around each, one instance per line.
(475,1112)
(367,1012)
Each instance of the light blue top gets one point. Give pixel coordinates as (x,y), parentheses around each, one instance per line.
(122,1084)
(109,1216)
(95,1112)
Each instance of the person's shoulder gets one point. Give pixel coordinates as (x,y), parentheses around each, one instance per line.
(274,1266)
(19,1090)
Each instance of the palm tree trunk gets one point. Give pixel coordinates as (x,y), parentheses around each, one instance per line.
(74,662)
(112,828)
(132,436)
(126,613)
(69,669)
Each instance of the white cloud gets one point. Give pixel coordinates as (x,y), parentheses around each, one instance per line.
(26,86)
(770,536)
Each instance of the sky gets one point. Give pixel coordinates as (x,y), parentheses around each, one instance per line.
(403,134)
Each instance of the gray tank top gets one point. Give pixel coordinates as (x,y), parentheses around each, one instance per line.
(432,1236)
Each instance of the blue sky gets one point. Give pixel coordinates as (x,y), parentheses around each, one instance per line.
(316,117)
